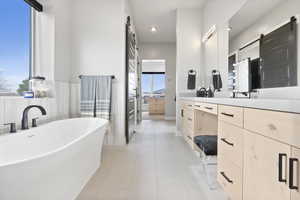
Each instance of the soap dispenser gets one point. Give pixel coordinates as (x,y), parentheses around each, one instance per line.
(210,92)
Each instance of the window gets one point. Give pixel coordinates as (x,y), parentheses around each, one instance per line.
(15,47)
(153,85)
(159,84)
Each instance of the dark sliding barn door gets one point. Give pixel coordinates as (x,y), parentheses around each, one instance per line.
(131,85)
(278,53)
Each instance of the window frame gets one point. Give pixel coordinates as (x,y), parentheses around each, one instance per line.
(32,43)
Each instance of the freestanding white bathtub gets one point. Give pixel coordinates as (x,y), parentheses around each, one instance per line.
(51,162)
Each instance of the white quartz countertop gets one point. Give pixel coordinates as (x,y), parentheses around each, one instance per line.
(292,106)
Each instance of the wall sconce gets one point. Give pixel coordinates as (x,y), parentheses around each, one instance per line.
(210,32)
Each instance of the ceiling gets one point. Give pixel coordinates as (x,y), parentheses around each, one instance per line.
(161,14)
(251,12)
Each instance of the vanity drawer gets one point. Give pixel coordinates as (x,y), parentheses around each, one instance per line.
(188,104)
(198,106)
(280,126)
(230,178)
(210,108)
(207,107)
(233,115)
(230,143)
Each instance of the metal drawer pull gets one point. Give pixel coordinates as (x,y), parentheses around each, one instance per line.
(226,178)
(190,105)
(209,108)
(198,106)
(225,141)
(228,115)
(292,171)
(280,167)
(190,119)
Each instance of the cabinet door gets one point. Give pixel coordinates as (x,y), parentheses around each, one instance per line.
(265,168)
(295,174)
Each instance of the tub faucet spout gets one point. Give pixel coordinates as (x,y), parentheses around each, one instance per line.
(25,115)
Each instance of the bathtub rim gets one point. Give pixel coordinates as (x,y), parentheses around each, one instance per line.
(100,127)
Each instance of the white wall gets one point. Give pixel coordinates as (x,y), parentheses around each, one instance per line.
(219,12)
(282,13)
(189,51)
(52,50)
(188,40)
(52,47)
(166,51)
(98,48)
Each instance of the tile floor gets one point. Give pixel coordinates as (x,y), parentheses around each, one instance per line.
(157,165)
(146,116)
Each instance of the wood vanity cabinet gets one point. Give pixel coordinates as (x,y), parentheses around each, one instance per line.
(230,143)
(258,150)
(230,154)
(263,147)
(187,115)
(230,177)
(280,126)
(156,106)
(271,155)
(295,195)
(232,115)
(265,168)
(198,119)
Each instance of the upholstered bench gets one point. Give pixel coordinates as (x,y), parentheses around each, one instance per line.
(207,147)
(207,143)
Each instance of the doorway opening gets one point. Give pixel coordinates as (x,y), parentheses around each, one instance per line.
(153,89)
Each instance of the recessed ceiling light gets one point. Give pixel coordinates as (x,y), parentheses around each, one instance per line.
(229,28)
(153,29)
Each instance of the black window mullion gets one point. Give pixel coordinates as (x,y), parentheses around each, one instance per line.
(35,4)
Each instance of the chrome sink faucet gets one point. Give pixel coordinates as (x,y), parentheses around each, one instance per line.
(25,115)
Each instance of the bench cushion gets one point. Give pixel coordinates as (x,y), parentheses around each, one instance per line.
(207,143)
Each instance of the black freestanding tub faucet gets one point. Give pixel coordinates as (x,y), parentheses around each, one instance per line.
(25,115)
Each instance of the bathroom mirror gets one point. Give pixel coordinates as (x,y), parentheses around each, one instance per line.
(265,33)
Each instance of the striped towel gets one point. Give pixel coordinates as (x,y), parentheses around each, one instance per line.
(96,93)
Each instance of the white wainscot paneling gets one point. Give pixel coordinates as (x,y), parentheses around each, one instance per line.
(62,99)
(14,108)
(52,109)
(11,108)
(12,111)
(75,100)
